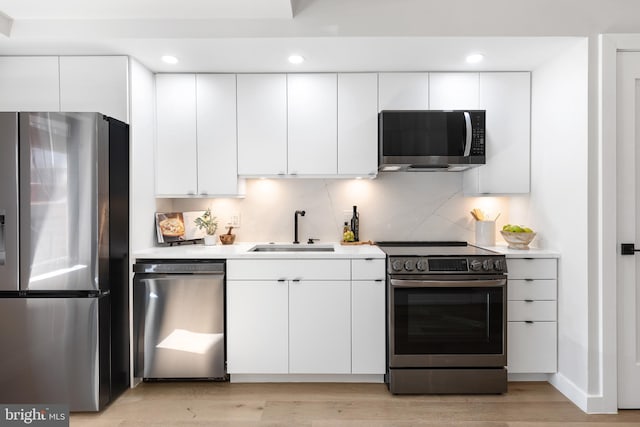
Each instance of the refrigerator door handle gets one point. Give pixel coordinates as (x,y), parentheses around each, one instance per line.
(3,246)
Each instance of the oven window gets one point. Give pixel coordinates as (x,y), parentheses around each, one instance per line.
(448,320)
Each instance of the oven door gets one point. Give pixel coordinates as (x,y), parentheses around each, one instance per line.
(447,322)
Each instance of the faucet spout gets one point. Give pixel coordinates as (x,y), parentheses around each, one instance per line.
(295,225)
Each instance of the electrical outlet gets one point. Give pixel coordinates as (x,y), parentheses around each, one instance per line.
(346,217)
(234,221)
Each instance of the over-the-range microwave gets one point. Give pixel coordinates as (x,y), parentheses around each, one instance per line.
(431,140)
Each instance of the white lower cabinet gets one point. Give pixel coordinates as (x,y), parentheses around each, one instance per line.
(319,332)
(305,317)
(257,327)
(368,327)
(532,332)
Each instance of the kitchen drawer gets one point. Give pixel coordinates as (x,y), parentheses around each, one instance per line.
(531,289)
(532,268)
(532,347)
(531,310)
(303,269)
(368,269)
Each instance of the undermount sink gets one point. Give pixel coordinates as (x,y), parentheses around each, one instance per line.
(292,248)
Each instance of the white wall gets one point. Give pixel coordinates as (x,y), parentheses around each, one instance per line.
(395,206)
(142,134)
(557,206)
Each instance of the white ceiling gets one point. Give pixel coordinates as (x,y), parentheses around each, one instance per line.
(147,9)
(332,35)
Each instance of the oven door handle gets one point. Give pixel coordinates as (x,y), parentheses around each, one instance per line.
(404,283)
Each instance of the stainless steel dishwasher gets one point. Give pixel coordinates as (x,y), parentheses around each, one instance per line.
(178,319)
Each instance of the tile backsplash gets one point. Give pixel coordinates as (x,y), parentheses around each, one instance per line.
(394,206)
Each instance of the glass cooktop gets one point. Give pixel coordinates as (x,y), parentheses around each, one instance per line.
(431,248)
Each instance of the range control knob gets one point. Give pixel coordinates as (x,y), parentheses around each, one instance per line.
(421,265)
(409,265)
(397,265)
(475,265)
(487,265)
(498,265)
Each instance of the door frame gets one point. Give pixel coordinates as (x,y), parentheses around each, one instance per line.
(608,47)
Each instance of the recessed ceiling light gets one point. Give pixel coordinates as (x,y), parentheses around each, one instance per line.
(296,59)
(170,59)
(474,58)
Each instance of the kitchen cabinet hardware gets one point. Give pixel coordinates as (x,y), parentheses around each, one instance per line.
(528,321)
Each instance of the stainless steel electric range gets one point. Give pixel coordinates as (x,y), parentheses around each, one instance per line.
(446,318)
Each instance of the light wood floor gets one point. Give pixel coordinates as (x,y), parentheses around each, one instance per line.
(527,404)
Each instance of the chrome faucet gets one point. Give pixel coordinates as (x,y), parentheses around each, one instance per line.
(295,225)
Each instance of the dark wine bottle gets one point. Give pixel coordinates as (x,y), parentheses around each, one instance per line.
(355,224)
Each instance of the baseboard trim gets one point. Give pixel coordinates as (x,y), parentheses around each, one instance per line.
(570,390)
(306,378)
(528,377)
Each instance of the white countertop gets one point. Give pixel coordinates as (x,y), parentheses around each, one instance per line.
(523,253)
(241,251)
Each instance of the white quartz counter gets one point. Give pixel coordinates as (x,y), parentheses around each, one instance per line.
(523,253)
(242,251)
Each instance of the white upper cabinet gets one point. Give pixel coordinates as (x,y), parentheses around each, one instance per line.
(403,91)
(507,99)
(453,91)
(262,124)
(196,138)
(312,124)
(66,83)
(176,152)
(29,83)
(216,134)
(358,124)
(95,83)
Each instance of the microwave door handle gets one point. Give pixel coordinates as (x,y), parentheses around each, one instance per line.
(467,144)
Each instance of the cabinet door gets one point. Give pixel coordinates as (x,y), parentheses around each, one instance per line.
(507,99)
(368,327)
(262,124)
(358,124)
(95,83)
(29,83)
(403,91)
(257,327)
(312,124)
(532,347)
(319,327)
(216,134)
(176,171)
(453,91)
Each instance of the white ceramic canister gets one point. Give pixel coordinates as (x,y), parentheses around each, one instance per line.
(485,233)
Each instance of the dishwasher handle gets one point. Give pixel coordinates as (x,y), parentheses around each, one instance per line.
(182,267)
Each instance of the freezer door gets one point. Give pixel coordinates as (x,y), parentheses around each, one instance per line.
(179,326)
(63,201)
(50,352)
(8,201)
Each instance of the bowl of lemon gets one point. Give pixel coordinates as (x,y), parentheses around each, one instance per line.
(517,236)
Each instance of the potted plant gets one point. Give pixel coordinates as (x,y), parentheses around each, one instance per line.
(209,223)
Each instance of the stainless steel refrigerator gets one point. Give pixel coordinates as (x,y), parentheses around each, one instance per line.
(64,256)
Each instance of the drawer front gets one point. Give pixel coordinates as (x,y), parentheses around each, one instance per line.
(532,347)
(367,269)
(303,269)
(532,268)
(531,311)
(532,289)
